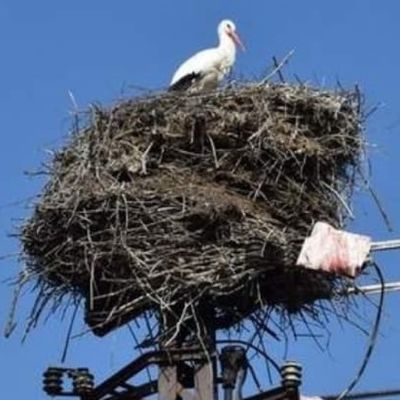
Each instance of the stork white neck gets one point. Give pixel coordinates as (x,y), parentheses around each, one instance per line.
(226,43)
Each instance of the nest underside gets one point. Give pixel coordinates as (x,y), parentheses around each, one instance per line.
(174,201)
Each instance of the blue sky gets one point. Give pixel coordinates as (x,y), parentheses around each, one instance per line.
(96,49)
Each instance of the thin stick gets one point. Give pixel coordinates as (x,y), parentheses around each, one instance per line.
(69,334)
(144,157)
(376,200)
(73,101)
(277,68)
(279,72)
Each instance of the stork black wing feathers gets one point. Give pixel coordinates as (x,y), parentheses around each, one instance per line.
(185,82)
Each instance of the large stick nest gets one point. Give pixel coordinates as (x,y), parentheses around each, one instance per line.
(170,202)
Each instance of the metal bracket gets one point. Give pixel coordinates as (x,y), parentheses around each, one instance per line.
(116,387)
(233,363)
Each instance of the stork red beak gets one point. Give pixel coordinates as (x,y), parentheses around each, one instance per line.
(235,37)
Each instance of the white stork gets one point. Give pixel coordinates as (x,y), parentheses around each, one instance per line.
(205,69)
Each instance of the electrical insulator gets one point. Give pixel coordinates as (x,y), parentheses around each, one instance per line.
(291,375)
(53,381)
(82,381)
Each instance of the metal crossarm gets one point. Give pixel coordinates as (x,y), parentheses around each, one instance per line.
(161,357)
(117,386)
(385,245)
(366,395)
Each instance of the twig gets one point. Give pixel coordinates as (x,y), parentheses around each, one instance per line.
(277,68)
(376,200)
(341,199)
(73,101)
(144,158)
(69,334)
(214,151)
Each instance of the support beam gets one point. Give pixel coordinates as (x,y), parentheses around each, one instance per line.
(204,381)
(168,383)
(385,245)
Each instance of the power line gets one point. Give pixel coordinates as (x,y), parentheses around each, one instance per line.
(366,395)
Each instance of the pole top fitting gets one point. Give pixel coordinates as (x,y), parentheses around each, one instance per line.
(291,374)
(233,359)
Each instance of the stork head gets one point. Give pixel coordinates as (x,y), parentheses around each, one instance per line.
(227,28)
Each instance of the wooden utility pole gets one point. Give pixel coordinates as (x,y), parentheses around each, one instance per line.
(201,376)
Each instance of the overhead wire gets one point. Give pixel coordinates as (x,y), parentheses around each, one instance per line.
(372,339)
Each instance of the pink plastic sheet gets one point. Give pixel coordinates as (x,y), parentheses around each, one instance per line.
(329,249)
